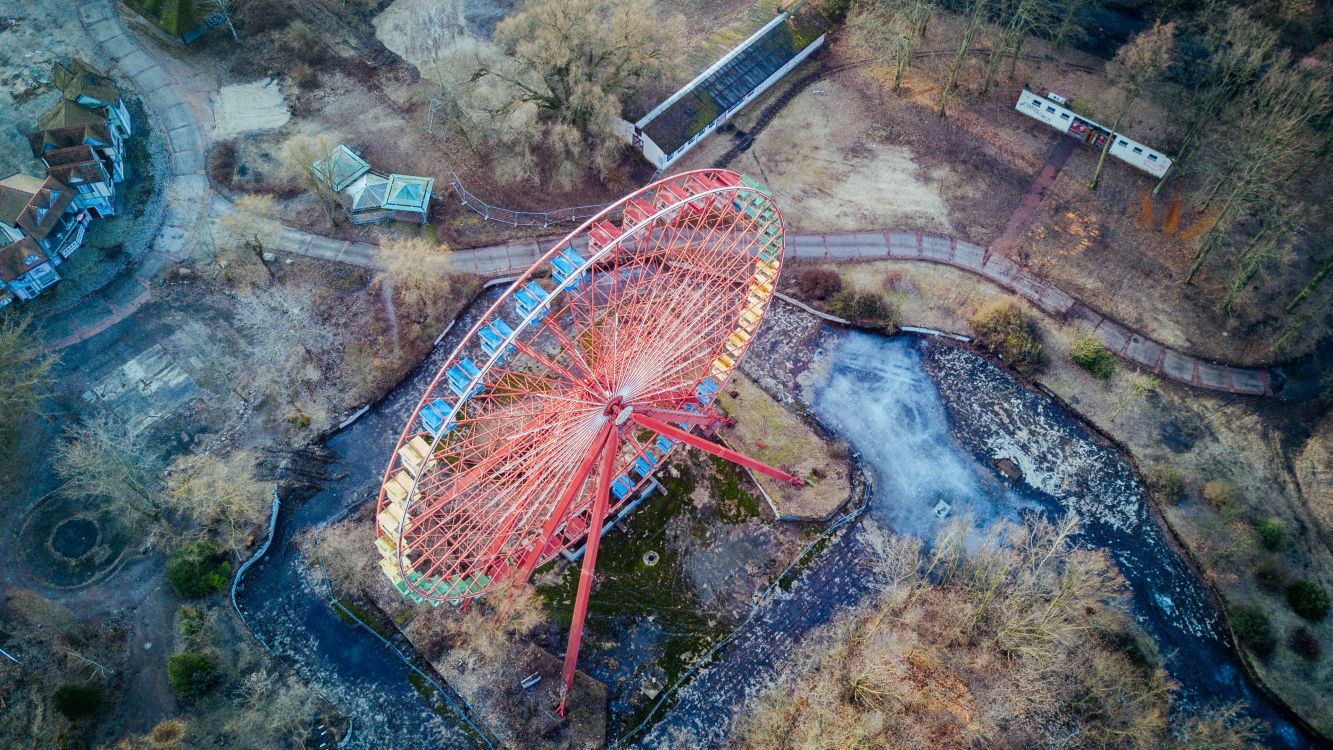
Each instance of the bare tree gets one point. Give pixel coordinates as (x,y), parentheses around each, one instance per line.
(1139,62)
(221,493)
(892,31)
(25,378)
(419,271)
(248,229)
(296,162)
(274,710)
(287,342)
(100,458)
(566,67)
(232,10)
(974,15)
(1022,18)
(1233,51)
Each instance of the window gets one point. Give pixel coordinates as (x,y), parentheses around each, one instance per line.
(1050,109)
(1064,116)
(1123,144)
(1152,157)
(1138,150)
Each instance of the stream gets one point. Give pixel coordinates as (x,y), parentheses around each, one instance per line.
(928,421)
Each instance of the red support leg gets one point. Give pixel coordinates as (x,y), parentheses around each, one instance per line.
(585,575)
(558,515)
(671,431)
(677,416)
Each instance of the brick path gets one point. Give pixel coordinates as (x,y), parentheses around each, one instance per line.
(1027,208)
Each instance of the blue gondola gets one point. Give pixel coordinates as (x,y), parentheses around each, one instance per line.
(493,337)
(566,265)
(706,390)
(664,444)
(644,465)
(434,415)
(621,487)
(529,298)
(460,375)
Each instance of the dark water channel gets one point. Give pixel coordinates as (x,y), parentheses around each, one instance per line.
(927,420)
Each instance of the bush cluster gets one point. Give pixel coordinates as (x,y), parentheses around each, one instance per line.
(192,674)
(197,569)
(1003,329)
(865,308)
(1093,356)
(1269,531)
(1308,599)
(818,283)
(1168,482)
(1253,630)
(1305,643)
(75,701)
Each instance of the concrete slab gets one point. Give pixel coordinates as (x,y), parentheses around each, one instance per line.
(1113,335)
(90,312)
(871,245)
(1081,312)
(178,119)
(937,248)
(145,389)
(1000,268)
(841,246)
(1178,367)
(125,291)
(187,162)
(1249,381)
(118,47)
(968,255)
(804,246)
(1056,300)
(1213,376)
(136,63)
(249,108)
(903,245)
(1144,352)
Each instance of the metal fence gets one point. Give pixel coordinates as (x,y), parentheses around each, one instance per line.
(522,218)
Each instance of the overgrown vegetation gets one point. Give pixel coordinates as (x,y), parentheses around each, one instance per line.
(197,569)
(1092,355)
(192,674)
(1308,599)
(24,380)
(865,308)
(1004,329)
(76,702)
(1016,641)
(819,284)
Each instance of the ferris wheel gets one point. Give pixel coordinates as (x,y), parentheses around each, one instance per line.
(575,386)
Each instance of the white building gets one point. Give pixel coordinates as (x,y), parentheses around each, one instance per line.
(1050,109)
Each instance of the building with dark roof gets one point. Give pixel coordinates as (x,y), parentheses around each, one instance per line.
(93,90)
(24,271)
(39,209)
(676,125)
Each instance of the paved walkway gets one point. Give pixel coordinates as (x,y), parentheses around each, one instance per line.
(186,189)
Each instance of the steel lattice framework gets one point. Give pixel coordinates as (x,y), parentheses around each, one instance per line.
(575,385)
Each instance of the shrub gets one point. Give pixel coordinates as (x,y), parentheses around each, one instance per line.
(198,568)
(1308,599)
(1168,482)
(1220,494)
(1253,630)
(1093,356)
(1269,531)
(818,283)
(1004,330)
(76,702)
(865,308)
(1271,576)
(1304,643)
(192,674)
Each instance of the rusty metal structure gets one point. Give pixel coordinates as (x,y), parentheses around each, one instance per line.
(575,386)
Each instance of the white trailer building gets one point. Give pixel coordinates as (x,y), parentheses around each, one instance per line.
(1050,109)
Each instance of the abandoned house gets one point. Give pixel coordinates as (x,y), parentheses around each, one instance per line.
(372,196)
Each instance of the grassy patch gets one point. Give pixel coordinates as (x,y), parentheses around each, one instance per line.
(1093,356)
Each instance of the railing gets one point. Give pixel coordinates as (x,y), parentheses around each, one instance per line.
(522,218)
